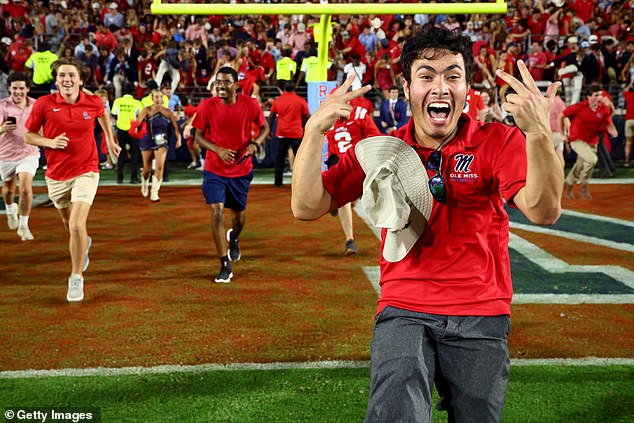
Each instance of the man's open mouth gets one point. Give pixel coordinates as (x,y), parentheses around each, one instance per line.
(438,111)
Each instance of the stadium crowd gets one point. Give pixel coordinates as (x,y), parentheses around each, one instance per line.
(576,41)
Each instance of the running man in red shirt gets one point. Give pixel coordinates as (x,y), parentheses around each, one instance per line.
(223,128)
(291,112)
(66,121)
(342,136)
(446,289)
(581,124)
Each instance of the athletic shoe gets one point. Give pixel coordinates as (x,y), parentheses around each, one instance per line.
(351,248)
(75,288)
(225,275)
(86,258)
(25,233)
(234,246)
(12,217)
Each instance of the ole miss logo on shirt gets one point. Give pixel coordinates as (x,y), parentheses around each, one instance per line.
(461,172)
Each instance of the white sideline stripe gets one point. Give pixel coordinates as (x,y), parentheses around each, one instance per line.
(573,236)
(165,369)
(598,217)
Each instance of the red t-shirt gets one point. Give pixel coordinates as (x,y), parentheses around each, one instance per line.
(460,265)
(55,117)
(228,126)
(344,135)
(290,109)
(585,124)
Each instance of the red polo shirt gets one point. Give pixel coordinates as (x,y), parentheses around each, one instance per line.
(586,124)
(55,117)
(460,265)
(290,109)
(228,126)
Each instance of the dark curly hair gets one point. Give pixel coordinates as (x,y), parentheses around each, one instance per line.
(433,41)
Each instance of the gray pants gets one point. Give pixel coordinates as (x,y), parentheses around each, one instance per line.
(465,356)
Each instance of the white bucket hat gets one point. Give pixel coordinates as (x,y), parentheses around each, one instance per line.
(396,194)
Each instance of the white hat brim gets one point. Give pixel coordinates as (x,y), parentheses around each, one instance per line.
(399,157)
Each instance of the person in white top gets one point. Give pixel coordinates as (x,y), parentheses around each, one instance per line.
(17,159)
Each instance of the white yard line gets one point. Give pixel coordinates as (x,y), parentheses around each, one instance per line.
(122,371)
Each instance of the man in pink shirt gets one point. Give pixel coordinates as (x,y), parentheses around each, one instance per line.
(16,157)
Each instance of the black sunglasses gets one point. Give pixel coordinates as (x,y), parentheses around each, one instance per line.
(437,183)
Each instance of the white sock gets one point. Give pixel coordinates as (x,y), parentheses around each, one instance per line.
(12,208)
(24,221)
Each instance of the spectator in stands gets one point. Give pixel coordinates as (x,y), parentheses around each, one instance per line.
(169,57)
(291,112)
(383,74)
(146,64)
(113,17)
(491,111)
(105,38)
(17,54)
(393,112)
(483,67)
(356,68)
(122,69)
(569,65)
(84,40)
(89,58)
(197,31)
(298,38)
(581,124)
(537,61)
(368,39)
(173,100)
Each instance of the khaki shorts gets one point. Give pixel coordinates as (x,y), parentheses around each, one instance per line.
(557,142)
(629,128)
(28,164)
(80,188)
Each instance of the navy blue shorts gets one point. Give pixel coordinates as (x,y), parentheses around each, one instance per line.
(230,191)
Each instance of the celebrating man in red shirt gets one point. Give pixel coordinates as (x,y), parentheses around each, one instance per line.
(67,120)
(439,195)
(589,118)
(223,127)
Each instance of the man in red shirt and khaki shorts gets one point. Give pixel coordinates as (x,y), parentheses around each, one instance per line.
(63,123)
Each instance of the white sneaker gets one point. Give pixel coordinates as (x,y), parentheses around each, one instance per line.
(75,288)
(25,233)
(86,258)
(12,217)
